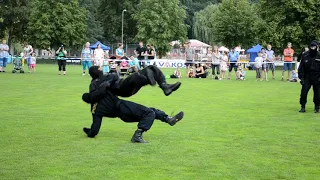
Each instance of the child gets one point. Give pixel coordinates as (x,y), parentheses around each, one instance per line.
(224,65)
(258,65)
(106,68)
(33,61)
(241,74)
(190,73)
(294,76)
(176,73)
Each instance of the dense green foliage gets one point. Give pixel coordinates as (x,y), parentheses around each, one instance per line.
(64,23)
(160,22)
(226,22)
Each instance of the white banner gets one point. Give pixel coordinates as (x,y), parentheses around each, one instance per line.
(169,63)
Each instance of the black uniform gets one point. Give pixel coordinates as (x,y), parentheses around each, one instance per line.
(105,104)
(309,74)
(129,86)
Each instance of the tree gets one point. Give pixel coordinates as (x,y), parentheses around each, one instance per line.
(110,14)
(57,22)
(290,21)
(191,7)
(94,26)
(160,22)
(203,25)
(14,19)
(232,23)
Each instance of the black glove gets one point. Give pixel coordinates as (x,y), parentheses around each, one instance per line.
(302,81)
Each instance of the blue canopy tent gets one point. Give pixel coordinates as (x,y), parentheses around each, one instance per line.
(104,47)
(254,52)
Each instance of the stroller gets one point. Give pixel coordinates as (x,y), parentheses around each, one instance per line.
(17,65)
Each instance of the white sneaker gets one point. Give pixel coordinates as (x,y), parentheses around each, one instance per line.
(83,74)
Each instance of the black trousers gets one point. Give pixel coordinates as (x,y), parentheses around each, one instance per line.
(130,112)
(62,65)
(133,83)
(215,67)
(305,89)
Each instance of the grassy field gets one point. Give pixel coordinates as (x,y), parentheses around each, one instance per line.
(231,130)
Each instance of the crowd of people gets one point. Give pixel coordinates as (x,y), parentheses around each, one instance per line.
(221,62)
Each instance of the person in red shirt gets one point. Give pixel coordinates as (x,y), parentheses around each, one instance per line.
(288,58)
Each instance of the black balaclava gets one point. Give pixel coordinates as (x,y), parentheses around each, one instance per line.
(313,48)
(86,97)
(95,72)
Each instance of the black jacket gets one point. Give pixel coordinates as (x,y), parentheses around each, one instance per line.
(309,66)
(103,101)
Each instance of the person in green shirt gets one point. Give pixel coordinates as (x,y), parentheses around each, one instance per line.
(61,57)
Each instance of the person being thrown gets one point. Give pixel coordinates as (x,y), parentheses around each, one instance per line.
(126,87)
(105,103)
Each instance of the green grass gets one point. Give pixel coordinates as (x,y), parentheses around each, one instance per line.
(231,130)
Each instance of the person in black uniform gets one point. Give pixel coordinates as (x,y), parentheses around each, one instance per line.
(309,74)
(151,75)
(104,103)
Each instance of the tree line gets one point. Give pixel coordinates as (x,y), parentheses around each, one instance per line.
(49,23)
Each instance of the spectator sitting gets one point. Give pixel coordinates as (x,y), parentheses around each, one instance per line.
(294,76)
(191,73)
(124,64)
(176,73)
(134,62)
(241,74)
(200,73)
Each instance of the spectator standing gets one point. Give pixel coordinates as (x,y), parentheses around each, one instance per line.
(119,51)
(216,60)
(270,61)
(233,60)
(62,62)
(33,63)
(27,51)
(223,65)
(86,58)
(258,65)
(4,55)
(288,58)
(99,56)
(151,53)
(264,64)
(140,53)
(190,55)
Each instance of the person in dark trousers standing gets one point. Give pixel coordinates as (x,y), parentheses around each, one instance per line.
(309,74)
(140,53)
(106,104)
(62,62)
(151,75)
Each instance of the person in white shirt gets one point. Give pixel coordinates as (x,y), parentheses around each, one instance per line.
(216,60)
(223,65)
(258,64)
(99,56)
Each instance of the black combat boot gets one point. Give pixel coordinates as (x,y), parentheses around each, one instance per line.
(316,109)
(137,137)
(173,120)
(303,109)
(86,130)
(169,88)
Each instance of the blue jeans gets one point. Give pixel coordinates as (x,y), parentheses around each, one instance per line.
(3,62)
(287,66)
(86,64)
